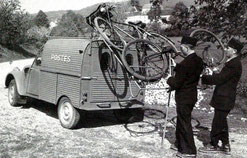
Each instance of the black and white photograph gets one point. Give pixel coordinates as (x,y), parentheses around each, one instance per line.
(123,78)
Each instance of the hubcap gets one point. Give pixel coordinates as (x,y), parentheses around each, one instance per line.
(66,112)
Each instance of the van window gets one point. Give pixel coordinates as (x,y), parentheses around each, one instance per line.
(105,61)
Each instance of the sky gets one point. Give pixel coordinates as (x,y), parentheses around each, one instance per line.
(33,6)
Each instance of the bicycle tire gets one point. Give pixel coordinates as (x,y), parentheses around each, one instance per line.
(141,71)
(166,43)
(143,127)
(209,58)
(194,122)
(117,40)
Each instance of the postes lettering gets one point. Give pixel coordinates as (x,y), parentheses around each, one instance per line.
(62,58)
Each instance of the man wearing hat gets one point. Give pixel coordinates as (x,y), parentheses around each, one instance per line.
(224,96)
(185,84)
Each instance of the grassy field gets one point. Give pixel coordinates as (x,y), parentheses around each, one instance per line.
(33,130)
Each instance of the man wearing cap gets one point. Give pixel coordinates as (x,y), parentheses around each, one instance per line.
(224,96)
(185,84)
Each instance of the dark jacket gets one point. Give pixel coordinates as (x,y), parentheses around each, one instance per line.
(226,84)
(186,79)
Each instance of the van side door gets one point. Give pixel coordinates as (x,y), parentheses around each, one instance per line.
(33,78)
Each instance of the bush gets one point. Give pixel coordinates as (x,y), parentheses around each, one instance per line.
(70,25)
(37,35)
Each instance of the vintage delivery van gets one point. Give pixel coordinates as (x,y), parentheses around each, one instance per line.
(75,74)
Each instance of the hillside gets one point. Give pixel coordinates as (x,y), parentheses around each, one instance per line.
(54,15)
(18,52)
(170,3)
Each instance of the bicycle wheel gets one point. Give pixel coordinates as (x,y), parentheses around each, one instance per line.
(143,127)
(112,33)
(148,63)
(194,122)
(209,47)
(164,43)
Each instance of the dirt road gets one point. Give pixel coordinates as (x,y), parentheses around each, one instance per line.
(33,130)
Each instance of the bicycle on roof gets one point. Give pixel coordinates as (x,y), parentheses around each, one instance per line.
(153,50)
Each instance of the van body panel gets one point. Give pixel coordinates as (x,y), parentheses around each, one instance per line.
(64,55)
(69,86)
(86,72)
(48,86)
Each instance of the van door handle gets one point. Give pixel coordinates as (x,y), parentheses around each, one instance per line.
(89,78)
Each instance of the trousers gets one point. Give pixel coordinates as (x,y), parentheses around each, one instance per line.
(219,129)
(184,134)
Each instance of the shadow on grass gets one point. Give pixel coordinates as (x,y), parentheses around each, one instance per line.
(89,119)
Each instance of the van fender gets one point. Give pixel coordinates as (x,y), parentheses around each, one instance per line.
(19,78)
(60,97)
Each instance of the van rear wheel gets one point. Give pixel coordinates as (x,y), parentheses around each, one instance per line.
(68,115)
(13,94)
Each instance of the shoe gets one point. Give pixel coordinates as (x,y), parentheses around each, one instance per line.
(226,149)
(174,147)
(183,155)
(209,149)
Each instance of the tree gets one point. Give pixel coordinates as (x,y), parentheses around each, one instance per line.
(155,10)
(227,17)
(136,4)
(70,25)
(41,19)
(13,23)
(180,16)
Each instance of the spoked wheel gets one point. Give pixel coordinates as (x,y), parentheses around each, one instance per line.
(148,61)
(112,34)
(69,116)
(194,122)
(143,127)
(163,42)
(209,47)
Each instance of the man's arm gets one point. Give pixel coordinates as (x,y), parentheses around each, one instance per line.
(219,78)
(177,81)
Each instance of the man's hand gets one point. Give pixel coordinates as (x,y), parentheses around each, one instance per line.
(216,69)
(208,71)
(173,63)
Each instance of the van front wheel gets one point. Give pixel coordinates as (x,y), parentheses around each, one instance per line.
(68,115)
(13,94)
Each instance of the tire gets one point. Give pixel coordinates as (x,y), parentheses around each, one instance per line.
(107,32)
(151,63)
(68,115)
(141,128)
(163,42)
(114,35)
(194,122)
(213,53)
(13,95)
